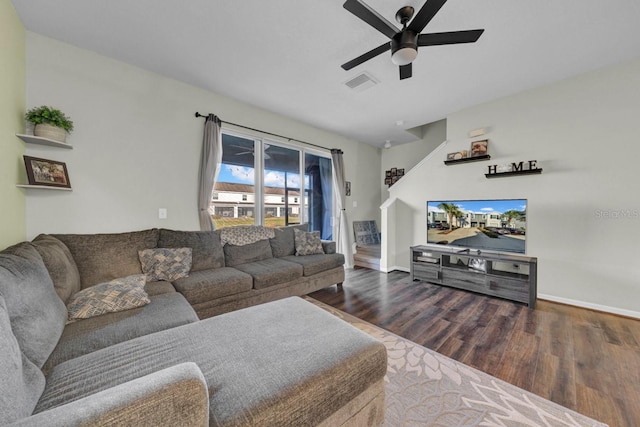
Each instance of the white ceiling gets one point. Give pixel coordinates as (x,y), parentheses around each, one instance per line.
(285,55)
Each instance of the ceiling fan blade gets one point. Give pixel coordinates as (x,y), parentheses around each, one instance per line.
(425,15)
(371,17)
(405,71)
(451,37)
(367,56)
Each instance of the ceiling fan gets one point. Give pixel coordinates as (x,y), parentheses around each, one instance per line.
(250,150)
(405,43)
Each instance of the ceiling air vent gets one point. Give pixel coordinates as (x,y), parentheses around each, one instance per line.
(361,82)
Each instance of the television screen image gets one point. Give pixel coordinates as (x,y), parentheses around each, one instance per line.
(491,225)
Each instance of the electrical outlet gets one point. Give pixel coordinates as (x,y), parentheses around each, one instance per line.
(162,213)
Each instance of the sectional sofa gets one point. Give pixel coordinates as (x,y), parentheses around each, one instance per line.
(285,362)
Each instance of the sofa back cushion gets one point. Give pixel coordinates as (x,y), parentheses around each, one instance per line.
(104,257)
(36,312)
(22,382)
(24,250)
(283,244)
(60,264)
(236,255)
(206,247)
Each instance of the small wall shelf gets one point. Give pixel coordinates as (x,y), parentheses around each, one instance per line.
(31,139)
(43,187)
(513,173)
(467,159)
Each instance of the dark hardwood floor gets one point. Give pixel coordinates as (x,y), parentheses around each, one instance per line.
(581,359)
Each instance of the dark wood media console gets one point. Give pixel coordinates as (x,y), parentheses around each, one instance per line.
(508,276)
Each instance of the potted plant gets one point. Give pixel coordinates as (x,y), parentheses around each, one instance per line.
(49,123)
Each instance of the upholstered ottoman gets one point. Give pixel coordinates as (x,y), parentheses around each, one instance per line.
(284,363)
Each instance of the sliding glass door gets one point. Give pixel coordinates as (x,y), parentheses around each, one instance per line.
(273,184)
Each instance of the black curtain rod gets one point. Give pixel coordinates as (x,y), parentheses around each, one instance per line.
(267,133)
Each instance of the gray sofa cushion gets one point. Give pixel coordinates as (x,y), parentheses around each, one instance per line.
(236,255)
(88,335)
(37,313)
(271,272)
(283,243)
(314,264)
(158,288)
(206,246)
(294,366)
(22,381)
(60,264)
(207,285)
(104,257)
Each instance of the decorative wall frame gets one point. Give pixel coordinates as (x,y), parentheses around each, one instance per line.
(46,172)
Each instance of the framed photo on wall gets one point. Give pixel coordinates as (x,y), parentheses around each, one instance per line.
(479,148)
(46,172)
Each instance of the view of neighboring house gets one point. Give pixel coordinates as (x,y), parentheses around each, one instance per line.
(231,200)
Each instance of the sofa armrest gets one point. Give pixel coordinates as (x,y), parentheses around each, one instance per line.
(174,396)
(329,246)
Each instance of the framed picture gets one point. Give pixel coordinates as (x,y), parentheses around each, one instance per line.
(46,172)
(400,172)
(394,171)
(347,188)
(479,148)
(387,174)
(457,155)
(387,181)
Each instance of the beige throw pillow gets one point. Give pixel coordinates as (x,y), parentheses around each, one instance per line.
(117,295)
(166,263)
(307,243)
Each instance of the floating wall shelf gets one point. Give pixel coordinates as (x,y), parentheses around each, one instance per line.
(467,159)
(513,173)
(31,139)
(43,187)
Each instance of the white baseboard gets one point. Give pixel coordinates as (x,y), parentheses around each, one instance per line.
(592,306)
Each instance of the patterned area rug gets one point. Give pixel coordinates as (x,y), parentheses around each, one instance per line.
(425,388)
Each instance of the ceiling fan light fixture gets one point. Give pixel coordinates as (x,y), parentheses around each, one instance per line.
(404,56)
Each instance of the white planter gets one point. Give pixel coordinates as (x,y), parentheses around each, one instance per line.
(45,130)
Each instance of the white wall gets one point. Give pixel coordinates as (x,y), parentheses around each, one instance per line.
(406,156)
(137,144)
(584,134)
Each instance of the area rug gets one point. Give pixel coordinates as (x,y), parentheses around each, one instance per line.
(425,388)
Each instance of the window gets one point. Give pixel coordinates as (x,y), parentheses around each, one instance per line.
(273,184)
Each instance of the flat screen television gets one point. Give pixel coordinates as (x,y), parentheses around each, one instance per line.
(491,225)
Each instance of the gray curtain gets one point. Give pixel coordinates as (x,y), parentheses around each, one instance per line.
(343,244)
(324,165)
(210,159)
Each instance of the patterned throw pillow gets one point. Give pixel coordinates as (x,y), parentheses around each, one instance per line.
(307,243)
(166,263)
(117,295)
(241,235)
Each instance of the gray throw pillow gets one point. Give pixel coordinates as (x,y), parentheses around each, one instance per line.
(308,243)
(37,314)
(110,297)
(165,263)
(22,381)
